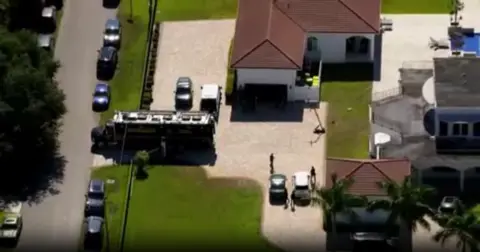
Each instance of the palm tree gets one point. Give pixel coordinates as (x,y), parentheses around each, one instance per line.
(461,228)
(336,200)
(406,202)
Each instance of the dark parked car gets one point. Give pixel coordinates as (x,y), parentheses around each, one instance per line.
(184,94)
(112,35)
(450,205)
(93,233)
(45,41)
(95,198)
(101,98)
(106,62)
(278,193)
(48,22)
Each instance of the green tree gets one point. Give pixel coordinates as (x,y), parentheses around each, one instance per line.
(336,200)
(461,228)
(141,160)
(405,201)
(31,106)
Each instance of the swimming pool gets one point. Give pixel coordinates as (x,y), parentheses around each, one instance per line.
(470,44)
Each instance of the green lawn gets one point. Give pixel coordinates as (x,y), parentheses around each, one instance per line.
(196,9)
(348,135)
(177,204)
(416,6)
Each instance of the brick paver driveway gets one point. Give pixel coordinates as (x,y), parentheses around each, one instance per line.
(199,49)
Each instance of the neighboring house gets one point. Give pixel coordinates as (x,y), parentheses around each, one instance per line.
(436,123)
(366,174)
(274,39)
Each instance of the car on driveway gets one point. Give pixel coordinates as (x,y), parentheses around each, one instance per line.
(184,93)
(106,62)
(101,97)
(112,34)
(450,205)
(277,191)
(95,198)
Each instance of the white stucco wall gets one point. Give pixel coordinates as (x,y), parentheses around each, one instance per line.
(332,46)
(267,76)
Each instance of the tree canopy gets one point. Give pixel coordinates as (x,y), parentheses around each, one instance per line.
(31,106)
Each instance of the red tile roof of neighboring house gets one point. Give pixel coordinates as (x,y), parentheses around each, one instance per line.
(366,173)
(271,33)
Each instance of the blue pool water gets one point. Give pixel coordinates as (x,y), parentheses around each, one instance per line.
(470,44)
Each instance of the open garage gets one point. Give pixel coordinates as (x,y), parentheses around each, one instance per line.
(265,92)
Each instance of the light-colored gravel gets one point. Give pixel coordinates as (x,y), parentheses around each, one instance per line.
(200,50)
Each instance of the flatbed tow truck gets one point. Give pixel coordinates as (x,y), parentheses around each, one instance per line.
(11,222)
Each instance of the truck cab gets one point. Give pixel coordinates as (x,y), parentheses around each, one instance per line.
(211,98)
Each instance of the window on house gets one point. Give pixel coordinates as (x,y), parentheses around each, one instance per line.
(312,44)
(460,129)
(476,129)
(443,129)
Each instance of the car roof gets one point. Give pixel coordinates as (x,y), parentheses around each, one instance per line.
(48,11)
(106,52)
(94,224)
(112,24)
(210,91)
(44,40)
(96,185)
(301,178)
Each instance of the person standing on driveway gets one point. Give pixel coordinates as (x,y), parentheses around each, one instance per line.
(272,158)
(313,177)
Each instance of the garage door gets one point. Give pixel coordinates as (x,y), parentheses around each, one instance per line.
(445,180)
(266,92)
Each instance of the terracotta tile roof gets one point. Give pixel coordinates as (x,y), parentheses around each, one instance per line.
(264,36)
(334,16)
(366,173)
(271,33)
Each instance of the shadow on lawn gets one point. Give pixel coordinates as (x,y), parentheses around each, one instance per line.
(193,157)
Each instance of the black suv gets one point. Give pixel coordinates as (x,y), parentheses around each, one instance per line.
(93,233)
(106,63)
(95,198)
(184,94)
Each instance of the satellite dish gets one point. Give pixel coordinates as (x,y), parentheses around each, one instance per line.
(381,138)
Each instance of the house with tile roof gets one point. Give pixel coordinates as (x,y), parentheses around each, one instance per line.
(367,225)
(275,39)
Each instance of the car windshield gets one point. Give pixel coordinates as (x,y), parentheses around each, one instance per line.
(95,195)
(447,210)
(302,187)
(111,31)
(101,92)
(448,199)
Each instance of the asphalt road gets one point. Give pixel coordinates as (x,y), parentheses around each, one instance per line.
(55,222)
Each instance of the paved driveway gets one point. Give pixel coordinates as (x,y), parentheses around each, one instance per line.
(200,50)
(243,151)
(55,222)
